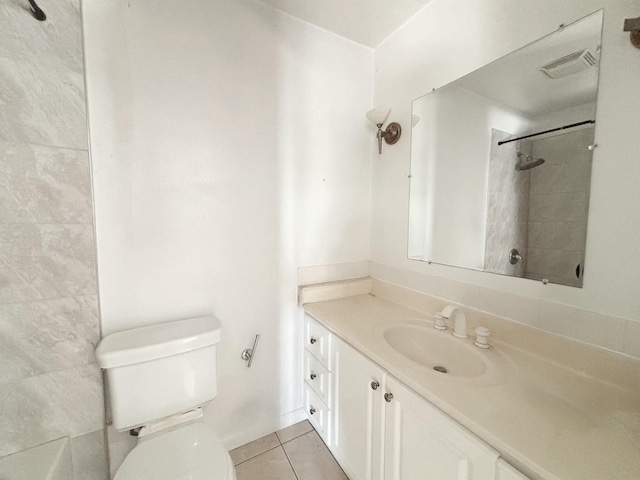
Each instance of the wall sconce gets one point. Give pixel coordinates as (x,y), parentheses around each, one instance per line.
(633,25)
(393,131)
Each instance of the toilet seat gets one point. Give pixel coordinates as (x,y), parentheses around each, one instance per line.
(191,451)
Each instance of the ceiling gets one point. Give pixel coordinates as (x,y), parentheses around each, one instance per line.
(368,22)
(516,82)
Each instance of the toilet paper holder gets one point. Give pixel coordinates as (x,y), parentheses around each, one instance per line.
(249,353)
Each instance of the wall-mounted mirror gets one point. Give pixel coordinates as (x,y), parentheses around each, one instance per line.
(501,161)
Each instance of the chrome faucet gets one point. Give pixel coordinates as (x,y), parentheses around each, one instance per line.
(459,320)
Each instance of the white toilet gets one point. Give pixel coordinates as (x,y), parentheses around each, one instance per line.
(158,378)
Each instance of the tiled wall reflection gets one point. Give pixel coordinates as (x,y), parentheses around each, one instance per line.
(541,212)
(50,386)
(508,205)
(558,207)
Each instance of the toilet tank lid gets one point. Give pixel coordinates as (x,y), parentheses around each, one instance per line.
(157,341)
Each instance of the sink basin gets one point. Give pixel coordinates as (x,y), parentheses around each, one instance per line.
(434,348)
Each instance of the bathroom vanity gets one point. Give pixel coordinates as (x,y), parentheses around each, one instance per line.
(534,405)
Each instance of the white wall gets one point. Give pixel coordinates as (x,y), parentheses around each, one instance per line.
(450,38)
(229,147)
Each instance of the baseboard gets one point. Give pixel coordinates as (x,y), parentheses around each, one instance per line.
(264,428)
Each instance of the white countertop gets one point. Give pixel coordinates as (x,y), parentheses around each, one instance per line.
(550,421)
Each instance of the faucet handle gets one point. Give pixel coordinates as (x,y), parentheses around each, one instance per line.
(482,337)
(440,322)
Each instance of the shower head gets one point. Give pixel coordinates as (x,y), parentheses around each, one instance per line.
(529,165)
(527,162)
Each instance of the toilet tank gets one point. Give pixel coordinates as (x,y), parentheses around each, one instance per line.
(160,370)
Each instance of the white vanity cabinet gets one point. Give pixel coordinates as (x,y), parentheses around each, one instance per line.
(379,429)
(318,380)
(358,413)
(423,443)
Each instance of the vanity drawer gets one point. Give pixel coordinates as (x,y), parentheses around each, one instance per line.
(317,340)
(317,377)
(317,412)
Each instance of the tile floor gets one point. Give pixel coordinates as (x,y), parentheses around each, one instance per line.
(295,453)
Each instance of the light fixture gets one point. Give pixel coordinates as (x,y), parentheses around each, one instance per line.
(633,25)
(393,131)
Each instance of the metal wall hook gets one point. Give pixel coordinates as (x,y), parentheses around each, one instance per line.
(633,25)
(249,353)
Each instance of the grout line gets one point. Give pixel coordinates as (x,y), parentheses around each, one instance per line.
(257,455)
(45,224)
(50,374)
(325,446)
(280,444)
(46,299)
(29,143)
(290,464)
(298,436)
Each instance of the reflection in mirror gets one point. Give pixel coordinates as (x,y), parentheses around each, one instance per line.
(501,161)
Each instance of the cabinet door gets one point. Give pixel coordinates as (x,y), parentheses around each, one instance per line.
(423,443)
(357,413)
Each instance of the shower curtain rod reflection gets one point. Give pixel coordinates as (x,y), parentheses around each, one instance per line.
(586,122)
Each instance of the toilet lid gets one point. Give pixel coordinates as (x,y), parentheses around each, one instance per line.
(190,452)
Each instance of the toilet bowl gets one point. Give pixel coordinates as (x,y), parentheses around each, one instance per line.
(159,376)
(191,451)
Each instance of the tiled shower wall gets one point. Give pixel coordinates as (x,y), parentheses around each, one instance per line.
(50,385)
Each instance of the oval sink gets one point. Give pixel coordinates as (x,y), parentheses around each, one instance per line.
(433,348)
